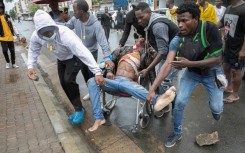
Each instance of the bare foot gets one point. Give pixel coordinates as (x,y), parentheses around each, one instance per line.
(97,123)
(231,99)
(165,99)
(228,90)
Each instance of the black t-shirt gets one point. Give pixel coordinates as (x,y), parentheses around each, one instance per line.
(212,39)
(131,20)
(234,23)
(201,46)
(119,17)
(106,20)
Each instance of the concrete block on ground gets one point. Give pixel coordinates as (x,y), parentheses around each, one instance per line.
(207,139)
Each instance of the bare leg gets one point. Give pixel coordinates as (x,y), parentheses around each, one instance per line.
(165,99)
(97,123)
(228,74)
(237,78)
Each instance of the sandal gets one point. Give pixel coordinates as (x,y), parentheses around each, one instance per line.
(229,101)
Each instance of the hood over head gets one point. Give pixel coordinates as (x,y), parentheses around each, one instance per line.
(43,22)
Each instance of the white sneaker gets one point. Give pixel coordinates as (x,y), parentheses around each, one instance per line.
(15,66)
(7,66)
(86,97)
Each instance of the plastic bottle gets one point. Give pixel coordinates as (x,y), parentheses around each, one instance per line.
(102,64)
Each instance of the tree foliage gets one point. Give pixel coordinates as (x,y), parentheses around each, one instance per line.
(33,8)
(12,13)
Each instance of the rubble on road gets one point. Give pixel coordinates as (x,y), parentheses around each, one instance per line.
(207,139)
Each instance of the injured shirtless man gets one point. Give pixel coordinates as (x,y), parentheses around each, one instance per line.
(128,60)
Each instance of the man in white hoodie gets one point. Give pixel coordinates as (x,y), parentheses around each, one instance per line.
(70,51)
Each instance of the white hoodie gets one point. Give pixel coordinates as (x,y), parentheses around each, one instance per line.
(66,44)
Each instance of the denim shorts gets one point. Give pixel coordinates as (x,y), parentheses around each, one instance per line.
(232,59)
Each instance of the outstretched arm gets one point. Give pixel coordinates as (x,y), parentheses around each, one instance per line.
(127,29)
(160,31)
(182,62)
(76,46)
(101,39)
(70,24)
(34,50)
(33,53)
(156,60)
(165,69)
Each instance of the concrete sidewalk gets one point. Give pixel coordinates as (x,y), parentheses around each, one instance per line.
(31,118)
(24,123)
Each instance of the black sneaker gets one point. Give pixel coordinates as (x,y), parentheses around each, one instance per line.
(172,139)
(216,116)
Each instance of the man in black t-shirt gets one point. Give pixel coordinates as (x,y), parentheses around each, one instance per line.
(130,21)
(55,10)
(106,22)
(119,19)
(234,53)
(198,48)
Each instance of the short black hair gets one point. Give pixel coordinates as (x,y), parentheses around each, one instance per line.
(2,6)
(190,7)
(82,5)
(142,6)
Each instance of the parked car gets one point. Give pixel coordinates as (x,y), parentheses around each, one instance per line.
(161,11)
(27,17)
(99,14)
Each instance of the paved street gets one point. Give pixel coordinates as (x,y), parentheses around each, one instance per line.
(197,117)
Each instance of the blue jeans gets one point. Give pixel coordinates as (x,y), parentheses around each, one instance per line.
(119,84)
(188,82)
(218,69)
(170,77)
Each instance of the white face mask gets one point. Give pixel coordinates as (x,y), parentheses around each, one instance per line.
(50,39)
